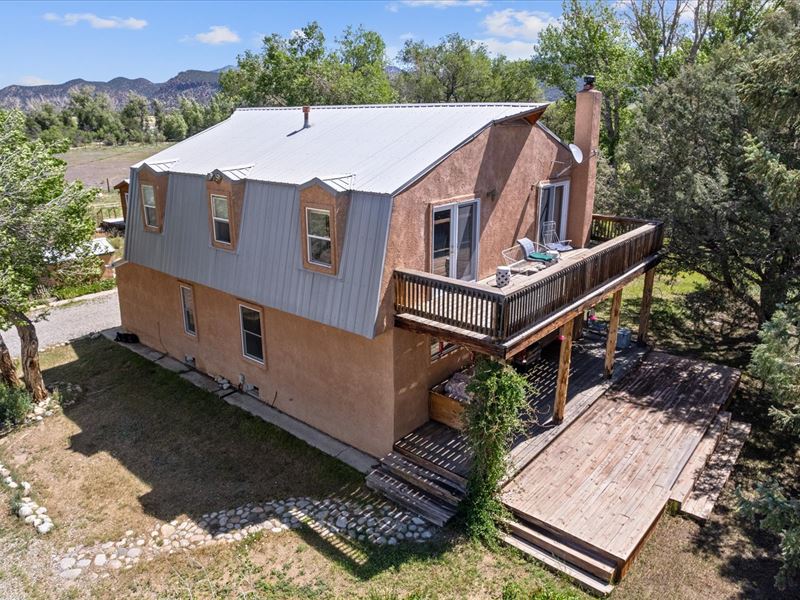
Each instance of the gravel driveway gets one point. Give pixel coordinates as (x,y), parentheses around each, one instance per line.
(73,320)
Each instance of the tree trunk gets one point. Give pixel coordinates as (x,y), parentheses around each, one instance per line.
(8,372)
(29,354)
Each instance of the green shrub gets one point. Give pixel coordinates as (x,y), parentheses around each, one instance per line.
(15,404)
(73,291)
(492,419)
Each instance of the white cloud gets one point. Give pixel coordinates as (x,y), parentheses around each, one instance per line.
(95,22)
(440,3)
(217,34)
(33,80)
(517,24)
(407,36)
(512,49)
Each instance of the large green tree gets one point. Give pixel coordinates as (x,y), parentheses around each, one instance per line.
(299,69)
(714,153)
(457,69)
(776,362)
(590,40)
(42,220)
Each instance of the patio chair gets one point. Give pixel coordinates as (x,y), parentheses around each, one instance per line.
(535,252)
(550,238)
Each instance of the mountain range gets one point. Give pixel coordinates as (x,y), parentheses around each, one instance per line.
(200,85)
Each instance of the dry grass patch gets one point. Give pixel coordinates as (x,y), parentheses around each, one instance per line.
(95,163)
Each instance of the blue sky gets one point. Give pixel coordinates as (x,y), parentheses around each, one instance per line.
(53,42)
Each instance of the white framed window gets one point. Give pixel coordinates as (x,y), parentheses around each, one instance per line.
(318,236)
(187,305)
(252,336)
(440,349)
(149,203)
(220,213)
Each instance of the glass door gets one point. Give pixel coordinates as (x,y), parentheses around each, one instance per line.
(553,206)
(455,240)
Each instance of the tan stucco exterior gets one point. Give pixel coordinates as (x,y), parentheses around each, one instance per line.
(365,392)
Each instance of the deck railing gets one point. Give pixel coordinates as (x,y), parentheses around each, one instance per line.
(500,315)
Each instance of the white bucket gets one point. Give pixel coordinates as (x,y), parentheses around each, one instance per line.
(502,276)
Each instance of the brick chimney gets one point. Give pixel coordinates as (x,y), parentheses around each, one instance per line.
(587,138)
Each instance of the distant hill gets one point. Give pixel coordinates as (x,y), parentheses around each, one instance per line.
(200,85)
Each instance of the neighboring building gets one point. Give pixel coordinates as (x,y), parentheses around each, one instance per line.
(122,187)
(274,252)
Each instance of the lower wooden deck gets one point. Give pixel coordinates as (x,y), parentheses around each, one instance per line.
(605,480)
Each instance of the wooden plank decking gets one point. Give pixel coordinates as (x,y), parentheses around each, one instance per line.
(606,480)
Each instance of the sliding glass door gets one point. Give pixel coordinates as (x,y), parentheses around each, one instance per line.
(455,240)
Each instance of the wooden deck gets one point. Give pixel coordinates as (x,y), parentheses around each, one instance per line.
(444,450)
(604,482)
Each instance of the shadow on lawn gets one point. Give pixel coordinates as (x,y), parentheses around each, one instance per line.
(197,453)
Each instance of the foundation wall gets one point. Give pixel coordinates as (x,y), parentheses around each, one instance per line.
(338,382)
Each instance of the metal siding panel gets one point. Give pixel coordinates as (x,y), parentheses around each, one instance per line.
(267,267)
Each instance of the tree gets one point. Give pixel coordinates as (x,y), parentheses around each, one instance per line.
(298,70)
(42,218)
(590,40)
(776,361)
(709,153)
(174,127)
(93,116)
(133,117)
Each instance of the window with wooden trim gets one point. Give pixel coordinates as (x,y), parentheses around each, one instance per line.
(220,214)
(187,306)
(149,204)
(440,349)
(252,333)
(318,236)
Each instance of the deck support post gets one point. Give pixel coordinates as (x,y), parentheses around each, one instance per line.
(613,328)
(647,303)
(565,357)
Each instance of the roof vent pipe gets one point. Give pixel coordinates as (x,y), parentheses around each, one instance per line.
(306,111)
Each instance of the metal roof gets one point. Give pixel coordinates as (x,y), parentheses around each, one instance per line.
(380,148)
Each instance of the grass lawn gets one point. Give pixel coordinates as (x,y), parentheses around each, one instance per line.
(95,163)
(142,446)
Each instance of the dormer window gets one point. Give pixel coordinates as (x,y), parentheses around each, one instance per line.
(320,246)
(220,208)
(149,204)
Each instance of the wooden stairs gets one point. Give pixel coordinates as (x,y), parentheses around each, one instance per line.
(408,480)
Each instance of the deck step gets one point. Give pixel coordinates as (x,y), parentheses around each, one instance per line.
(430,482)
(700,502)
(583,559)
(410,497)
(580,577)
(698,460)
(437,448)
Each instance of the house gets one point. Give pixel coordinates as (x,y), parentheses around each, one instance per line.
(341,263)
(265,249)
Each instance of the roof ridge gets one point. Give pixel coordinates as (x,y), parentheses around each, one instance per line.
(395,105)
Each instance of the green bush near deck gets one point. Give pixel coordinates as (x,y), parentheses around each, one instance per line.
(73,291)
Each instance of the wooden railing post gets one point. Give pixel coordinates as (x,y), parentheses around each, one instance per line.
(613,328)
(647,303)
(564,360)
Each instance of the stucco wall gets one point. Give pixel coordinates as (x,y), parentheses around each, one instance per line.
(508,160)
(338,382)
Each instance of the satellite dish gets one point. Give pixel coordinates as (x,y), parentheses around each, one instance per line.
(577,154)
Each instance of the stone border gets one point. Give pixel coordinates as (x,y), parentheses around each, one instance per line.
(28,510)
(353,457)
(380,523)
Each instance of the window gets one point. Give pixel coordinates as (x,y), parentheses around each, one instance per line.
(553,209)
(221,217)
(187,303)
(318,232)
(149,203)
(440,348)
(252,340)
